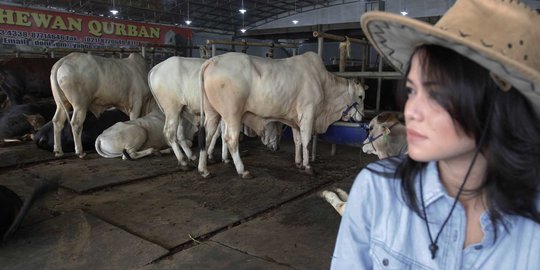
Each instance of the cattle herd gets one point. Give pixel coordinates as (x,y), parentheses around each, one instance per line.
(136,111)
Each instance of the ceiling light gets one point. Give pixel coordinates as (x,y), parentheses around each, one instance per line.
(295,21)
(188,21)
(113,10)
(242,9)
(404,13)
(243,30)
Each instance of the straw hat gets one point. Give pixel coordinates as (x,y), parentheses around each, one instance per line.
(501,35)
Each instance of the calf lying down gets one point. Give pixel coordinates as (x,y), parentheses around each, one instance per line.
(138,138)
(387,138)
(144,136)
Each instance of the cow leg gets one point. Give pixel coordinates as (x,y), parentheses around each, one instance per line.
(137,137)
(231,135)
(212,145)
(58,120)
(183,142)
(136,108)
(164,151)
(297,147)
(306,128)
(77,120)
(211,122)
(336,202)
(224,150)
(170,131)
(138,154)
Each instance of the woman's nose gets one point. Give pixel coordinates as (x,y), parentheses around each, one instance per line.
(413,110)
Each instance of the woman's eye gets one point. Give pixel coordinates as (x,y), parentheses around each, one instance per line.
(434,95)
(410,91)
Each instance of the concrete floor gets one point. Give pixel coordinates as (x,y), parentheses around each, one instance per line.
(147,214)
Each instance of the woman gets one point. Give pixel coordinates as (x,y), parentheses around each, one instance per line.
(467,194)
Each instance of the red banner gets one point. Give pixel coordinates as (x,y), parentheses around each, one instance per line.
(43,28)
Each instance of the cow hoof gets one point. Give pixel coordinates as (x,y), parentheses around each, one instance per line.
(58,154)
(246,175)
(205,175)
(310,171)
(298,165)
(226,161)
(82,155)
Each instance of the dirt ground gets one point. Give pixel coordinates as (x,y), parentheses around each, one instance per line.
(148,214)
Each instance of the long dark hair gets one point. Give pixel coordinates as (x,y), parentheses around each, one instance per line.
(476,103)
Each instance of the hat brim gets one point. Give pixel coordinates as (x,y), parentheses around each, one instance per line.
(396,38)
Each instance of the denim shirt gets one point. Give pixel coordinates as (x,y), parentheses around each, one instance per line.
(379,231)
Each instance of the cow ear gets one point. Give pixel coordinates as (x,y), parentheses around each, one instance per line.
(357,81)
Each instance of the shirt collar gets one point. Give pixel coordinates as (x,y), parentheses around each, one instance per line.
(432,186)
(434,189)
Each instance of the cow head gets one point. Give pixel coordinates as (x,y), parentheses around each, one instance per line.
(355,110)
(272,135)
(379,129)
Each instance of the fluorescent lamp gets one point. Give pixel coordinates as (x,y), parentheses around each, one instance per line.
(188,22)
(243,30)
(404,13)
(114,11)
(295,21)
(242,10)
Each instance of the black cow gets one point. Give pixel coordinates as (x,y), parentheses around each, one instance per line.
(92,128)
(12,208)
(13,119)
(30,77)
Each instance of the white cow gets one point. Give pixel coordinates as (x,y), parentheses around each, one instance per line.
(297,91)
(175,86)
(387,137)
(87,82)
(138,138)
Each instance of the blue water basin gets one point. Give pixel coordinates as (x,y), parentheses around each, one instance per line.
(347,133)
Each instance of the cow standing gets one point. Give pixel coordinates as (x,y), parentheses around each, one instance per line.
(87,82)
(175,86)
(297,91)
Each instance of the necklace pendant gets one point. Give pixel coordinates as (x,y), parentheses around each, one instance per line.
(433,248)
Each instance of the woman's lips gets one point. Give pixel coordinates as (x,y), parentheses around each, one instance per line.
(412,136)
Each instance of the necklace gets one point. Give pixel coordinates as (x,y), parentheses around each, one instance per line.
(433,247)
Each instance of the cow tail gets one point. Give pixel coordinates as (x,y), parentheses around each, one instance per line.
(58,94)
(202,130)
(41,187)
